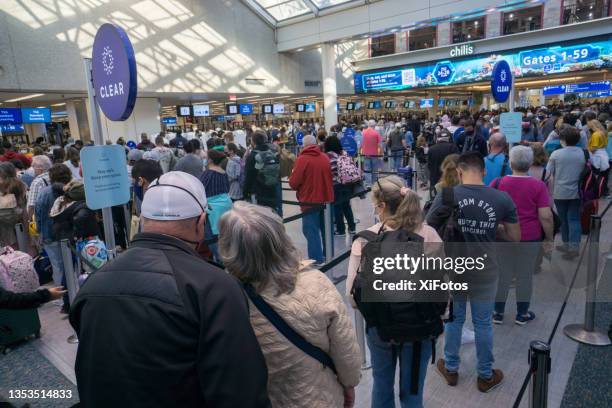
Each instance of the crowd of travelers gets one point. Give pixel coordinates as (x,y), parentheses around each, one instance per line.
(209,302)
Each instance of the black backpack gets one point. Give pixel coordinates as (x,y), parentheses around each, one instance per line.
(445,220)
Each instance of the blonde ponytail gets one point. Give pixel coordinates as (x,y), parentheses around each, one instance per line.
(402,203)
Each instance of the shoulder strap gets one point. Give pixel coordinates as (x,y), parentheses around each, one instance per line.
(496,183)
(587,156)
(504,166)
(368,235)
(544,174)
(287,331)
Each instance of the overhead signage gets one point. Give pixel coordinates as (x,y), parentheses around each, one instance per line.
(311,107)
(300,107)
(278,108)
(266,109)
(114,72)
(501,81)
(36,115)
(600,94)
(510,126)
(374,105)
(390,104)
(246,109)
(10,115)
(169,120)
(600,86)
(231,109)
(11,128)
(573,57)
(201,110)
(183,110)
(220,118)
(426,103)
(461,50)
(105,176)
(350,106)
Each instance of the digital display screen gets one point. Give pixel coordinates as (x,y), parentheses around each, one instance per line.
(426,103)
(183,110)
(169,121)
(374,105)
(201,110)
(350,106)
(11,128)
(572,57)
(266,109)
(300,107)
(440,103)
(311,107)
(231,109)
(246,109)
(36,115)
(390,104)
(278,108)
(10,115)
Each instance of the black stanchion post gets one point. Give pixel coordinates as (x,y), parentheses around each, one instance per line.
(22,238)
(72,278)
(539,363)
(587,333)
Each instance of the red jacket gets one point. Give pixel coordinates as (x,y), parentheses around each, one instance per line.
(312,178)
(10,155)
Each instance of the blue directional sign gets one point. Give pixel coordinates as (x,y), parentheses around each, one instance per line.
(600,86)
(36,115)
(246,109)
(543,57)
(444,72)
(10,115)
(169,120)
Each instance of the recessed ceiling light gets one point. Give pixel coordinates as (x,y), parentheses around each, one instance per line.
(299,49)
(23,98)
(59,104)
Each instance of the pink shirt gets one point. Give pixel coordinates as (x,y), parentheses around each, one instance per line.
(529,194)
(371,142)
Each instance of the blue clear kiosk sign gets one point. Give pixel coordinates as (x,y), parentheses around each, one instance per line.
(114,72)
(105,176)
(501,81)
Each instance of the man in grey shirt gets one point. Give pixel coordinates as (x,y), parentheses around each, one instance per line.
(565,166)
(396,144)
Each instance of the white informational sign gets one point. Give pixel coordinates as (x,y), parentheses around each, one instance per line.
(278,108)
(510,126)
(184,111)
(201,110)
(105,176)
(240,138)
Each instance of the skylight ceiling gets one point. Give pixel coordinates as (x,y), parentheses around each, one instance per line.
(283,10)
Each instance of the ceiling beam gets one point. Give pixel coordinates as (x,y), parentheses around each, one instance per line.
(261,13)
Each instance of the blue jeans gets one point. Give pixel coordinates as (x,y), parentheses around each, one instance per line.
(569,213)
(482,318)
(371,165)
(54,252)
(397,157)
(312,227)
(383,372)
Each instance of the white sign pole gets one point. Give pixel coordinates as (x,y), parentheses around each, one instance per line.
(95,128)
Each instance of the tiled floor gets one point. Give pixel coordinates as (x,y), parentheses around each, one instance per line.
(511,342)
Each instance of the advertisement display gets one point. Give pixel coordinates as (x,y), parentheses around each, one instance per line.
(201,110)
(311,107)
(231,109)
(10,115)
(426,103)
(183,110)
(278,108)
(246,109)
(266,109)
(601,86)
(534,62)
(36,115)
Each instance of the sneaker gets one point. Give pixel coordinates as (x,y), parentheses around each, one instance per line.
(491,383)
(339,234)
(524,319)
(352,231)
(451,377)
(571,254)
(498,318)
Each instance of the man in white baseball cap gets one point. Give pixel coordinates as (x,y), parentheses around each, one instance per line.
(160,320)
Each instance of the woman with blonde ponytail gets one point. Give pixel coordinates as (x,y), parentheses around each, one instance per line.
(397,207)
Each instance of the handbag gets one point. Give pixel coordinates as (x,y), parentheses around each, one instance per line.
(294,337)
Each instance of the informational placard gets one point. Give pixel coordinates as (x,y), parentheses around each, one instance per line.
(10,115)
(36,115)
(501,81)
(105,176)
(510,126)
(201,110)
(246,109)
(114,72)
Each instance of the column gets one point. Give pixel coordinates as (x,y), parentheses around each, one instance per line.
(78,119)
(552,13)
(328,65)
(73,122)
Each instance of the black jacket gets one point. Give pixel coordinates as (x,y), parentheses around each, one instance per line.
(435,156)
(27,300)
(160,327)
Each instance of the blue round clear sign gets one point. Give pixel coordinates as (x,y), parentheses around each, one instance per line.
(501,81)
(114,72)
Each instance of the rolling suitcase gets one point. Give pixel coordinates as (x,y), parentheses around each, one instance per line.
(17,325)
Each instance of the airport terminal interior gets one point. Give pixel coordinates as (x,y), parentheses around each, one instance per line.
(306,203)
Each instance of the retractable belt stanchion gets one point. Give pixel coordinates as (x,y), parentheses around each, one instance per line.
(72,278)
(539,363)
(22,237)
(360,331)
(587,333)
(329,232)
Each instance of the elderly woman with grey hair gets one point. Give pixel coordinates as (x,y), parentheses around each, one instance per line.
(256,249)
(518,260)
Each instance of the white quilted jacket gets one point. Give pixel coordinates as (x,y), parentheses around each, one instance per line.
(315,310)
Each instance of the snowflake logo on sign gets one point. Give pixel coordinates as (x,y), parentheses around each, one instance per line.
(108,61)
(502,76)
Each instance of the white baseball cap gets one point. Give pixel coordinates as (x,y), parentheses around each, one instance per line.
(174,196)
